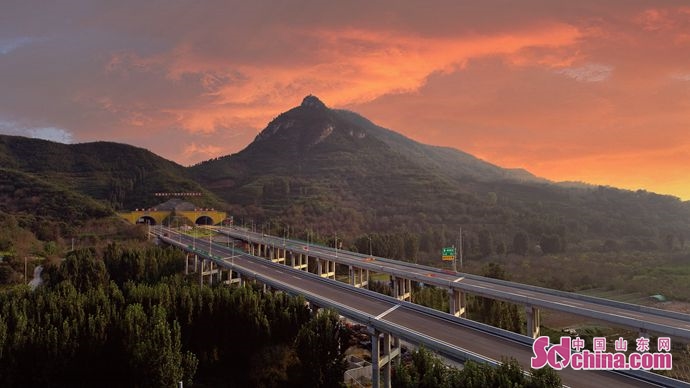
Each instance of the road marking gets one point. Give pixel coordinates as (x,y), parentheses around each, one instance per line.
(458,279)
(387,311)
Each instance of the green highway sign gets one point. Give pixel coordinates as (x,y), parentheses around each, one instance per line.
(448,253)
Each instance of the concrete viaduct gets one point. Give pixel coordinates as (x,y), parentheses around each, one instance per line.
(389,319)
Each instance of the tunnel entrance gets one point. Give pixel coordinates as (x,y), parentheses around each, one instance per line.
(204,220)
(147,220)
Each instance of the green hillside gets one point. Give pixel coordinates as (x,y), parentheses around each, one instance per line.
(24,194)
(119,175)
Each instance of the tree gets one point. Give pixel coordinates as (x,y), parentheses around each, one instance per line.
(429,370)
(501,247)
(82,268)
(521,243)
(411,247)
(551,243)
(155,348)
(486,244)
(496,313)
(320,349)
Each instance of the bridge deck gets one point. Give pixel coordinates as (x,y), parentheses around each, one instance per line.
(449,330)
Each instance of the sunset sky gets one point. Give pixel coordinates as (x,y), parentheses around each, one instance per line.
(594,91)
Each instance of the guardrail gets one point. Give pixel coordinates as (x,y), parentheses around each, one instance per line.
(622,320)
(448,350)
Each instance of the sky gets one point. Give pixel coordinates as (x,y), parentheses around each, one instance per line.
(588,90)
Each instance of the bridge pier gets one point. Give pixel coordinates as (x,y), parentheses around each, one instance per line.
(381,357)
(357,277)
(229,277)
(533,321)
(299,261)
(191,259)
(457,302)
(278,255)
(402,288)
(329,268)
(206,270)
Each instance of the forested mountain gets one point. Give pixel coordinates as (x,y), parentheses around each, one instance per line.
(335,171)
(325,171)
(119,175)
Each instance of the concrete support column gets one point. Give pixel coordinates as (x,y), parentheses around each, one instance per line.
(219,275)
(279,255)
(375,362)
(533,321)
(382,356)
(190,259)
(325,268)
(331,269)
(386,360)
(299,261)
(234,277)
(351,276)
(402,288)
(357,277)
(457,302)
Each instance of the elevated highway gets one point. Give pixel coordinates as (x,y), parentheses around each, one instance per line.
(641,318)
(454,337)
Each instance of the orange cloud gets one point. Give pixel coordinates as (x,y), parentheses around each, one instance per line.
(546,85)
(347,66)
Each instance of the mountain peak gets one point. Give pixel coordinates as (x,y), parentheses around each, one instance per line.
(312,101)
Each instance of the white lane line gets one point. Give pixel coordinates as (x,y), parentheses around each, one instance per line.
(458,279)
(387,311)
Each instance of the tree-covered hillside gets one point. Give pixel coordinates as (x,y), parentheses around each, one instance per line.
(119,175)
(324,171)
